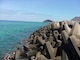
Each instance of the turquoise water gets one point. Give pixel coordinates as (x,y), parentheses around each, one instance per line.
(12,33)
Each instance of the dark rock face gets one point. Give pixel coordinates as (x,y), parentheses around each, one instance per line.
(48,21)
(76,19)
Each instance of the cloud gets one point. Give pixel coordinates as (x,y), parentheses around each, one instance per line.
(8,12)
(22,15)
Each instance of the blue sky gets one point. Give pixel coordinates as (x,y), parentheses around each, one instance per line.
(39,10)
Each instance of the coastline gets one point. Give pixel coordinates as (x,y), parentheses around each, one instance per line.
(48,43)
(12,33)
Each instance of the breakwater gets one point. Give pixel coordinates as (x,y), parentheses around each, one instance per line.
(56,41)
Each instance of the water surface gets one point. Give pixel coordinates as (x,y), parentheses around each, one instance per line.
(13,32)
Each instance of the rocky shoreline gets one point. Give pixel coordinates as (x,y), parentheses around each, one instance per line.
(56,41)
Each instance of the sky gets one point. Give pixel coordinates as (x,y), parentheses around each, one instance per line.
(39,10)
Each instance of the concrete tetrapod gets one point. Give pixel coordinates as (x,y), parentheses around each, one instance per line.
(72,50)
(76,29)
(64,36)
(31,53)
(41,41)
(76,40)
(18,54)
(64,55)
(57,58)
(50,39)
(55,26)
(52,51)
(67,28)
(42,57)
(56,34)
(76,48)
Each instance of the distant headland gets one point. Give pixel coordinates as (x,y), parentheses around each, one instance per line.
(47,20)
(76,18)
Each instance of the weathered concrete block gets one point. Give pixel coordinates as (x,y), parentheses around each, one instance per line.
(41,40)
(31,37)
(59,43)
(56,33)
(57,58)
(38,55)
(76,40)
(64,36)
(31,53)
(64,55)
(31,46)
(72,50)
(42,57)
(78,36)
(76,29)
(67,28)
(52,51)
(35,39)
(55,26)
(18,54)
(49,26)
(33,58)
(44,36)
(71,22)
(50,38)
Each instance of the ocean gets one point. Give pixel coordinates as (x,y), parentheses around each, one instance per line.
(12,33)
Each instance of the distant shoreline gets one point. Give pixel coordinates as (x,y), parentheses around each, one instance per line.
(19,21)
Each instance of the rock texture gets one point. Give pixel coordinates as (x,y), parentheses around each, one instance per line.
(56,41)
